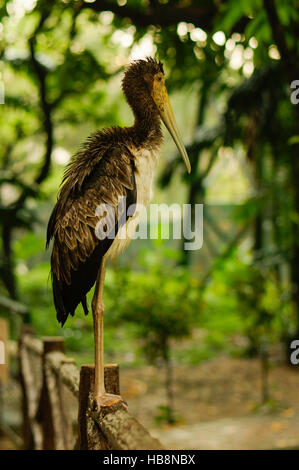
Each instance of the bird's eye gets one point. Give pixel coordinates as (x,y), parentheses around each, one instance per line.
(159,79)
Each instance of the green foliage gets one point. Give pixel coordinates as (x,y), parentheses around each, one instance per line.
(162,303)
(262,303)
(165,414)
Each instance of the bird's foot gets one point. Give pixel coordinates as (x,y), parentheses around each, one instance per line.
(107,400)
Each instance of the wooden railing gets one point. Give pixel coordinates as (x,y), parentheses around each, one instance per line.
(57,403)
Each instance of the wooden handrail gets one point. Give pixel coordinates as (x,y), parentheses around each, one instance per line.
(66,369)
(46,422)
(123,432)
(33,344)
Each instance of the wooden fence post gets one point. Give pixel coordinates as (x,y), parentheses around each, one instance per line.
(27,431)
(90,435)
(45,412)
(4,360)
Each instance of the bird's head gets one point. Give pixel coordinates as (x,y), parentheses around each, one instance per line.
(144,87)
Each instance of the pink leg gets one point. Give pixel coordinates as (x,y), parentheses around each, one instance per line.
(101,398)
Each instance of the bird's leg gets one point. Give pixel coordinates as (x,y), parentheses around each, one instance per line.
(101,398)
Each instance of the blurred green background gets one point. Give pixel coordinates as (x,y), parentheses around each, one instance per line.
(229,67)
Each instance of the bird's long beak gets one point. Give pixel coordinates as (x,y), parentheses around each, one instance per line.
(161,98)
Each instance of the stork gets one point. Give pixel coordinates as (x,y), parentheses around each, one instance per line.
(113,163)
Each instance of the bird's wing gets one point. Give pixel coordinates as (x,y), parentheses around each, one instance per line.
(87,216)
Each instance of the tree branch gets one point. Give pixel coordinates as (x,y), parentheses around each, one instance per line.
(288,57)
(160,15)
(41,74)
(46,108)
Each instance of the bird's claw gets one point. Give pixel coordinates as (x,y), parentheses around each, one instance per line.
(106,400)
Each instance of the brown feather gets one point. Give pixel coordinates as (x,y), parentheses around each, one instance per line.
(100,173)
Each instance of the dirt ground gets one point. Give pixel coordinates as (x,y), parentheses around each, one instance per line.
(218,405)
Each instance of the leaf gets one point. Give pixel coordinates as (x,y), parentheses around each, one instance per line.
(293,140)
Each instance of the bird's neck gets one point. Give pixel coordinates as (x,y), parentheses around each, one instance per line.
(147,128)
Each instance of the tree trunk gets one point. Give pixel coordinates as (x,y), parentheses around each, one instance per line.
(8,275)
